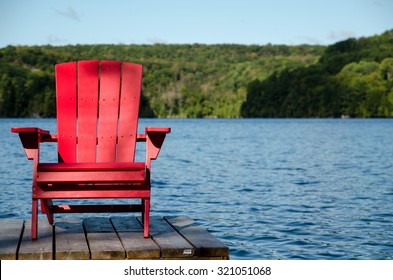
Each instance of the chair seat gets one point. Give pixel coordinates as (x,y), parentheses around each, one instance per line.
(94,166)
(91,172)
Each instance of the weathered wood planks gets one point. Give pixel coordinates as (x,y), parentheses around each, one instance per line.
(11,232)
(130,233)
(102,239)
(168,239)
(206,245)
(70,240)
(177,237)
(40,249)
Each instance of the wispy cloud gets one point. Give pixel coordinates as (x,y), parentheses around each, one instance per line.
(157,40)
(54,40)
(309,40)
(377,3)
(340,35)
(69,13)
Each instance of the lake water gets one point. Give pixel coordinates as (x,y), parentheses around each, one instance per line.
(268,188)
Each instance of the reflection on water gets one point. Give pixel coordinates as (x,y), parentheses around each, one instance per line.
(269,189)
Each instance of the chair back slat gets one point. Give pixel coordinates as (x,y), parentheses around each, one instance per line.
(88,80)
(129,111)
(97,110)
(66,89)
(109,110)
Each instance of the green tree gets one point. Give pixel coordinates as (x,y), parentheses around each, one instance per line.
(365,90)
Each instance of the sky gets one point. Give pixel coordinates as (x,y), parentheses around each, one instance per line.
(260,22)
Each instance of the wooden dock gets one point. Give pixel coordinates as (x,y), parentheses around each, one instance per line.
(175,237)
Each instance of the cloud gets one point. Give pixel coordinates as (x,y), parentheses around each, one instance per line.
(69,13)
(157,40)
(309,40)
(55,40)
(377,3)
(340,35)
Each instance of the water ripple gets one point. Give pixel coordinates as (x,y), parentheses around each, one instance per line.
(269,189)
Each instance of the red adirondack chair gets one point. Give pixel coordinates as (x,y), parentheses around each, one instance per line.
(97,118)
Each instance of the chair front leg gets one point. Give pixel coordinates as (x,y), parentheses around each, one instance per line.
(34,218)
(146,217)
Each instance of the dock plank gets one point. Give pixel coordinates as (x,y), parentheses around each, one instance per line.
(119,237)
(70,240)
(136,246)
(102,239)
(42,247)
(172,244)
(207,246)
(10,233)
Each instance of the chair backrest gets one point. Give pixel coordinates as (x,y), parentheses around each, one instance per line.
(97,110)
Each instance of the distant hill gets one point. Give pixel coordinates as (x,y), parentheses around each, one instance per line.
(179,80)
(352,77)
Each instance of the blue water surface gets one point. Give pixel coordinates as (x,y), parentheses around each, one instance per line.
(268,188)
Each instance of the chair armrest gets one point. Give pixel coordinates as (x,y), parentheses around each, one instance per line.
(155,137)
(45,135)
(31,137)
(157,130)
(151,131)
(29,130)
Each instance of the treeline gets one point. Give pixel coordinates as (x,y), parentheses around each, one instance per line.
(350,78)
(353,78)
(179,80)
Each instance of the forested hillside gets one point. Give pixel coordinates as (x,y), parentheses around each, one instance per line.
(351,78)
(179,80)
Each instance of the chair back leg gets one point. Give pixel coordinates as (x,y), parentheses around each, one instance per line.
(46,208)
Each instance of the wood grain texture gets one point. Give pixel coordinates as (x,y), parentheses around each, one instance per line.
(118,237)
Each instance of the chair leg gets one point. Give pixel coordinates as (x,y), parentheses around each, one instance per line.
(146,217)
(45,205)
(143,210)
(34,219)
